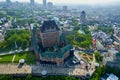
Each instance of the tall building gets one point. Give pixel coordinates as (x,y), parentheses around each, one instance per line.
(32,2)
(50,5)
(83,18)
(65,8)
(44,3)
(8,1)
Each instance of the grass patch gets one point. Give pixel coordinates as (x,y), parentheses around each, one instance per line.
(81,53)
(6,58)
(28,56)
(19,56)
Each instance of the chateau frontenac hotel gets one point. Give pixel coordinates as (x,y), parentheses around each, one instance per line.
(50,43)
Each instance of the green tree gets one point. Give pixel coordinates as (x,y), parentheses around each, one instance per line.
(29,77)
(2,14)
(70,78)
(98,57)
(82,40)
(21,37)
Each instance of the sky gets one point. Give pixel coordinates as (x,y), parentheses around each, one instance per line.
(74,1)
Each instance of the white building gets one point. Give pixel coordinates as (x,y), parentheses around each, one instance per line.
(112,77)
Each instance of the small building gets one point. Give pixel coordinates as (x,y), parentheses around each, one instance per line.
(109,77)
(112,77)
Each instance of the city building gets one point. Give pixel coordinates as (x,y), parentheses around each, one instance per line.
(83,18)
(51,44)
(8,1)
(44,3)
(65,8)
(32,2)
(50,5)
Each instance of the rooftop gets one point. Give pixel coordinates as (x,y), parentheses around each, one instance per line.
(58,54)
(49,25)
(83,12)
(112,77)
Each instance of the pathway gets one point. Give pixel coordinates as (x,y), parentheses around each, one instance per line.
(13,51)
(13,58)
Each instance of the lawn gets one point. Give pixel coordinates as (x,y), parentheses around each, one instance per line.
(28,56)
(81,53)
(6,58)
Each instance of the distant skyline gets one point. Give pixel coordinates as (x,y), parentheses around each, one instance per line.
(73,1)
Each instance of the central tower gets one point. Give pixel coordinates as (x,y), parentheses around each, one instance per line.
(49,34)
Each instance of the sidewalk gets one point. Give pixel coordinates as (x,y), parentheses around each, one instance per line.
(13,51)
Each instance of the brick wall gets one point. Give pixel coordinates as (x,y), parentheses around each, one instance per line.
(50,38)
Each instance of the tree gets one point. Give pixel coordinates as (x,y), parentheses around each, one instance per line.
(106,29)
(29,77)
(82,40)
(76,28)
(20,37)
(2,14)
(6,77)
(70,78)
(98,57)
(97,74)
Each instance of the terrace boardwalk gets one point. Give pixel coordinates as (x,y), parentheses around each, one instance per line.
(37,70)
(55,70)
(14,69)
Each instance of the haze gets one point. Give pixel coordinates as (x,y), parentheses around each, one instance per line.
(74,1)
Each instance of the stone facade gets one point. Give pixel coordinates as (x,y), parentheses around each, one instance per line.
(50,39)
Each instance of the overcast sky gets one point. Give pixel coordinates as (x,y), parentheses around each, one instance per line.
(74,1)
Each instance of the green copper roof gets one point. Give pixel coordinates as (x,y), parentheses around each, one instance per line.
(58,54)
